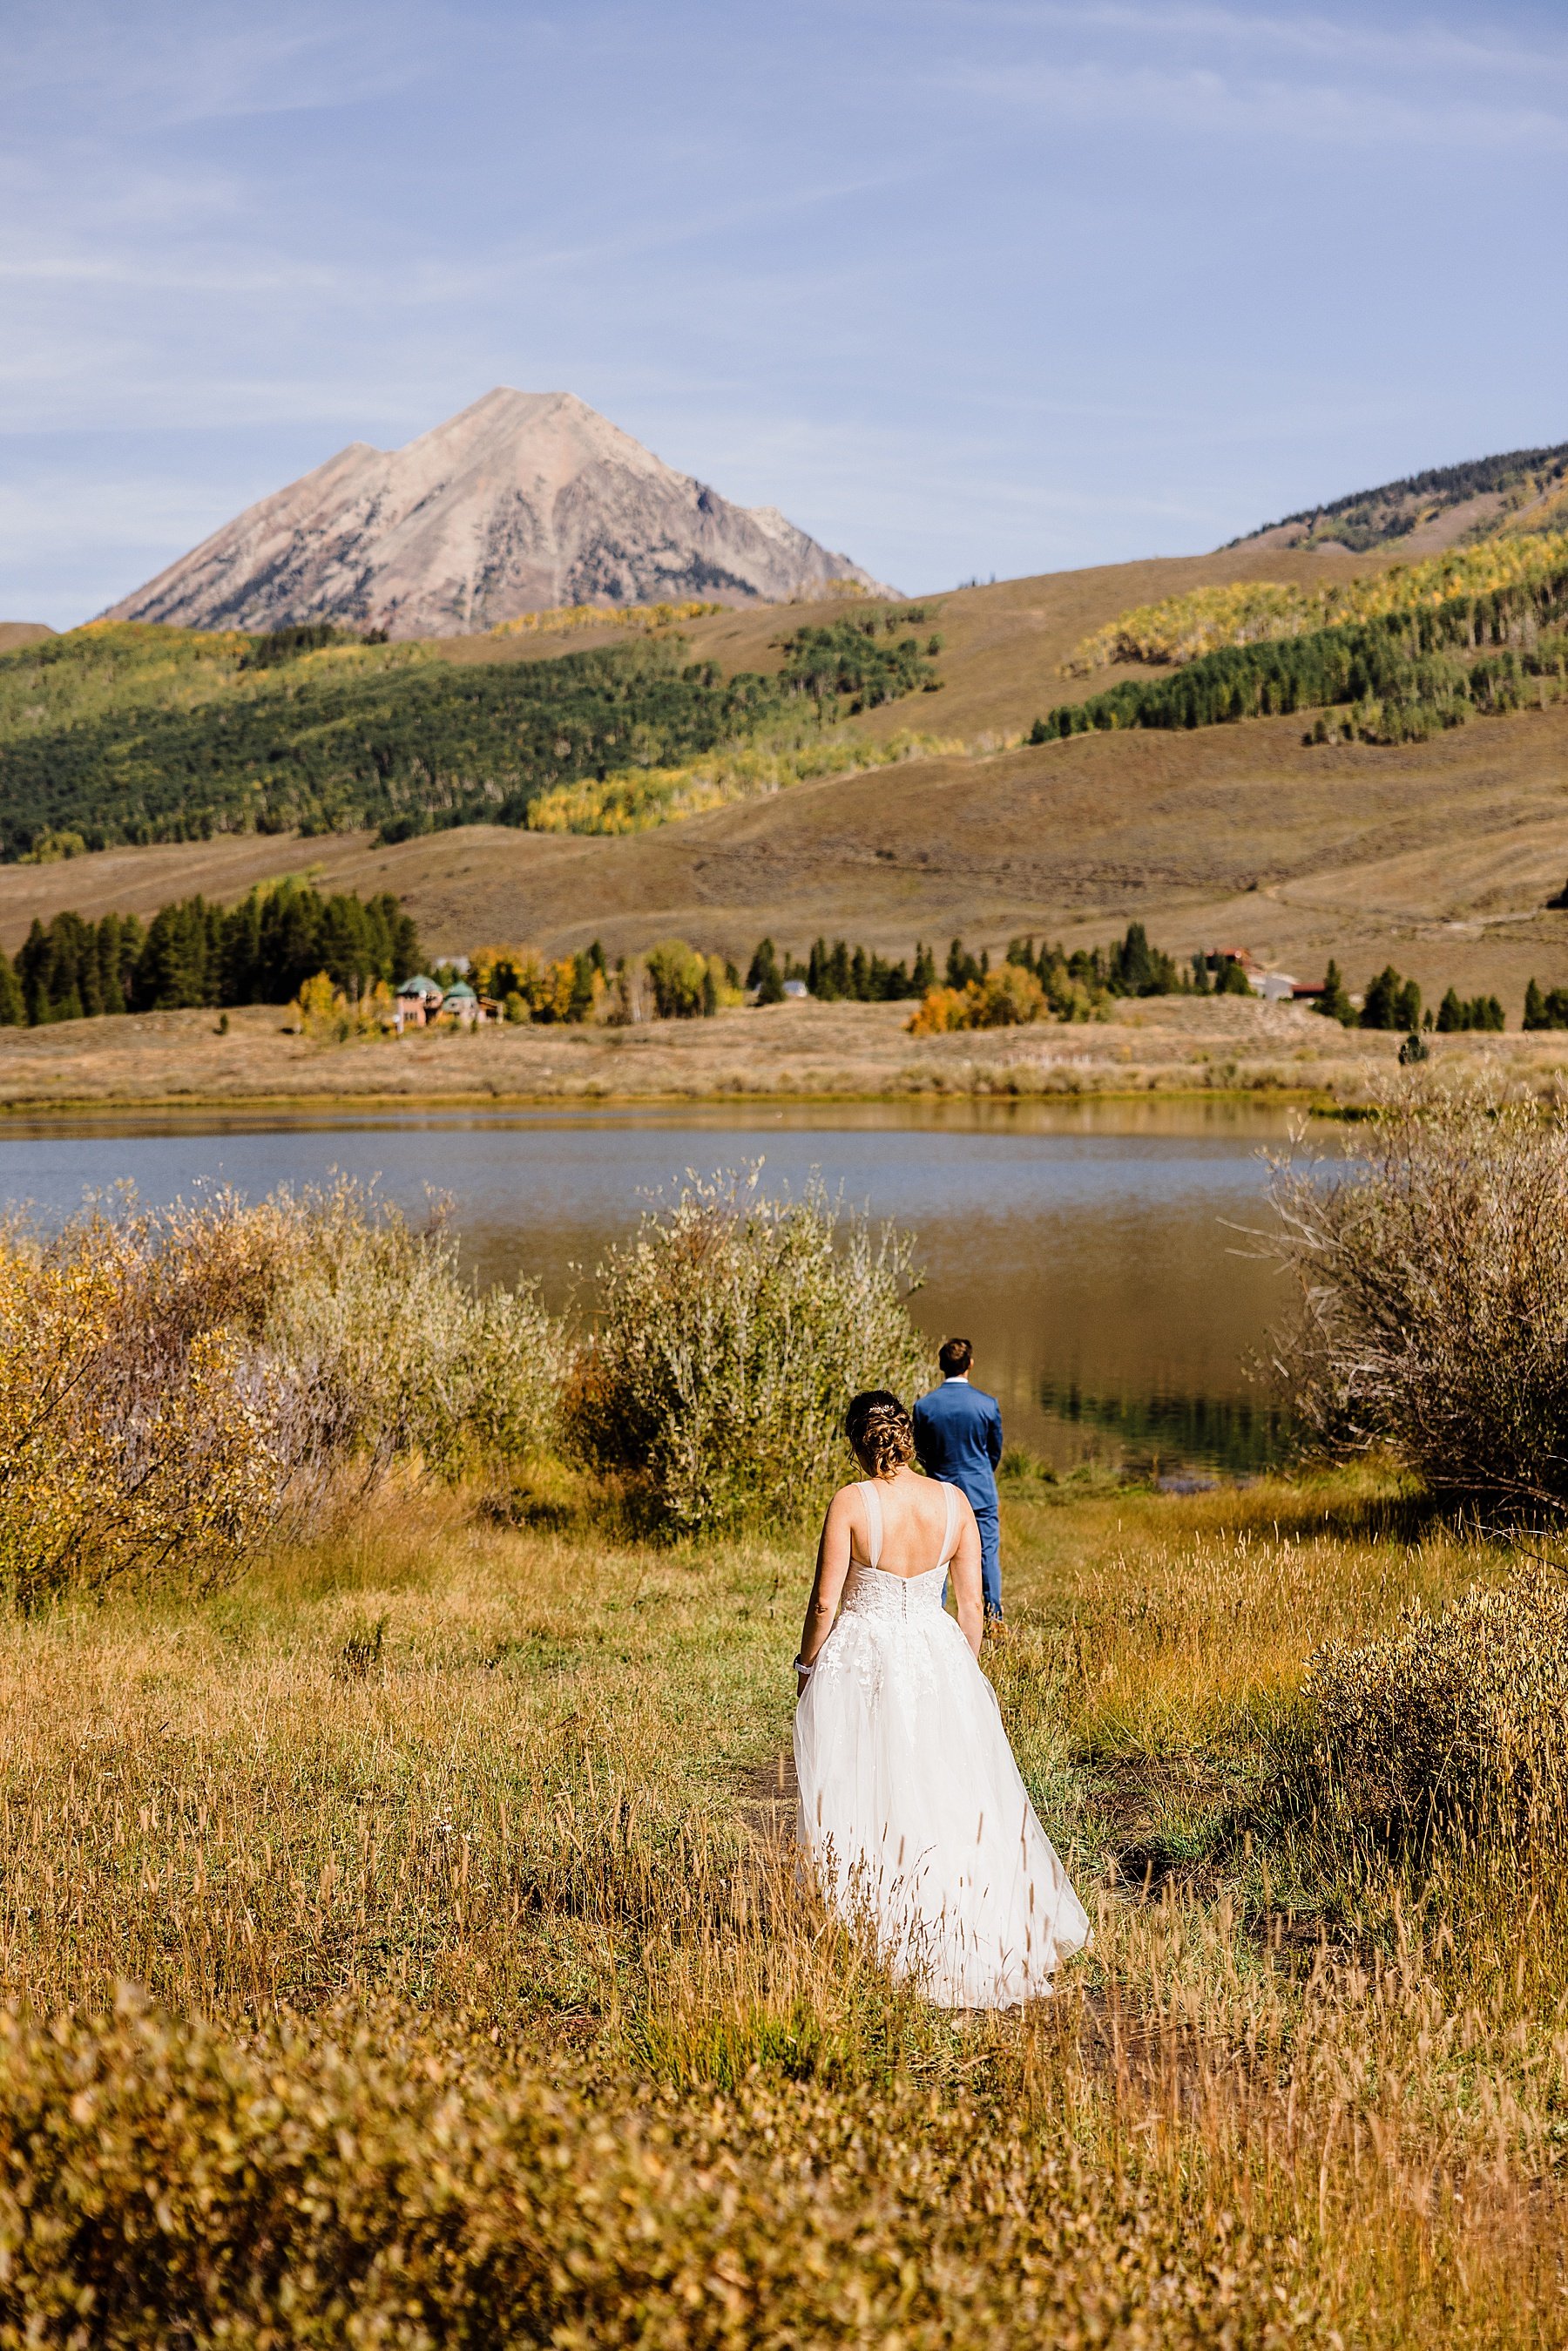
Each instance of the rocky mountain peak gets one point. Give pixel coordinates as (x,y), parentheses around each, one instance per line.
(523,501)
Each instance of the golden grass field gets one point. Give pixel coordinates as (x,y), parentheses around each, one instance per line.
(466,1841)
(1163,1045)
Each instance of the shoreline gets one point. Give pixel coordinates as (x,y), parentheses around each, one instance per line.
(382,1105)
(800,1055)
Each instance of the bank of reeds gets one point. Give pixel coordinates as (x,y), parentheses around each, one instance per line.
(177,1383)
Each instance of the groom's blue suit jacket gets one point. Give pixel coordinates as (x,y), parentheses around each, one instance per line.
(958,1434)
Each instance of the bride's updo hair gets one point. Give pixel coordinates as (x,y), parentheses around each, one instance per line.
(880,1430)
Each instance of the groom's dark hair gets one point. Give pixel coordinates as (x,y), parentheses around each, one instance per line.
(954,1356)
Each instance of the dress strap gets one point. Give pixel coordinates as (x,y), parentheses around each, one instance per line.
(950,1536)
(874,1516)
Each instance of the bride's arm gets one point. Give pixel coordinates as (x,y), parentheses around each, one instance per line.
(965,1574)
(828,1586)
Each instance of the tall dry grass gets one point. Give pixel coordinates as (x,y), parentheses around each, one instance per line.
(486,2000)
(425,1952)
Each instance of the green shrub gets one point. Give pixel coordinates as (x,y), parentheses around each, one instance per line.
(1433,1279)
(383,1351)
(1454,1720)
(733,1331)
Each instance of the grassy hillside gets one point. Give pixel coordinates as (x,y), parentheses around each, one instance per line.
(131,733)
(1438,856)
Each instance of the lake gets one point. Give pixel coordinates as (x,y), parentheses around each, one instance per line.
(1087,1249)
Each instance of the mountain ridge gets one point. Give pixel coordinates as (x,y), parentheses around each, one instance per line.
(521,502)
(1429,511)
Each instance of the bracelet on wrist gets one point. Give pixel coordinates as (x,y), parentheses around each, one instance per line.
(801,1668)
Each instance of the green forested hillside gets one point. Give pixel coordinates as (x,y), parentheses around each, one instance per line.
(1404,675)
(130,733)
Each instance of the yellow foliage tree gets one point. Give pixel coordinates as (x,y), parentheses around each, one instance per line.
(325,1015)
(1007,998)
(1182,628)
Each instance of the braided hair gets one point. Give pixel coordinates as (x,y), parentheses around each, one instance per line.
(880,1431)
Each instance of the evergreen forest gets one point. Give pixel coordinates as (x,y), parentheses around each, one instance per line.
(260,952)
(133,733)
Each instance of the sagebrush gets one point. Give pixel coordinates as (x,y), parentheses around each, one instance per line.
(174,1382)
(1431,1269)
(1453,1723)
(733,1329)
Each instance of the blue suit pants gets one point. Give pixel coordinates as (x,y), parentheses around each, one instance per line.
(987,1521)
(989,1524)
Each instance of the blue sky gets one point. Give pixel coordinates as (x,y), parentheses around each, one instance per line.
(963,288)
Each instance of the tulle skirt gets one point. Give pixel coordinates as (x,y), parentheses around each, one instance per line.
(915,1817)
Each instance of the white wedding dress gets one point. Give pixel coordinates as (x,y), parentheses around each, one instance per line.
(911,1807)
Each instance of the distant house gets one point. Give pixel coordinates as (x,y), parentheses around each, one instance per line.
(1273,987)
(416,1003)
(795,988)
(460,1004)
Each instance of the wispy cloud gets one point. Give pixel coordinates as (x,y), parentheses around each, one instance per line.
(1210,101)
(180,65)
(1352,42)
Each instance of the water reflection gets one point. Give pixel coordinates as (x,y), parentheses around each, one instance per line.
(1089,1250)
(1223,1432)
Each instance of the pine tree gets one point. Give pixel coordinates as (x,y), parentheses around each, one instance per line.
(1536,1008)
(924,976)
(13,1008)
(32,968)
(1133,969)
(111,977)
(1380,1005)
(1450,1014)
(1233,980)
(1408,1010)
(763,974)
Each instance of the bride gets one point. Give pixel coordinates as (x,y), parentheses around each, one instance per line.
(910,1802)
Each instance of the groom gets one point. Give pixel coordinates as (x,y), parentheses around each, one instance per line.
(958,1436)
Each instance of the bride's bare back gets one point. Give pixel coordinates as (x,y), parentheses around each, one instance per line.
(914,1529)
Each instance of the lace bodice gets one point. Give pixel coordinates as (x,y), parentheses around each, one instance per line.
(872,1591)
